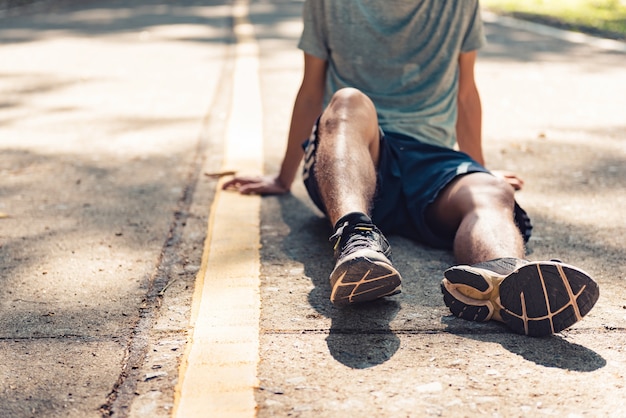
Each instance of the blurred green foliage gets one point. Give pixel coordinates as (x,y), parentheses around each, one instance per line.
(598,17)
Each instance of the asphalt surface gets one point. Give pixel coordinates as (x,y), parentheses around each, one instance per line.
(112,124)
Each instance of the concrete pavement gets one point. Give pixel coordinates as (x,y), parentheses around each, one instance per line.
(554,112)
(112,124)
(104,113)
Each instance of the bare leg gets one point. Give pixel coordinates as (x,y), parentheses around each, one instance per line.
(345,171)
(532,298)
(348,154)
(478,209)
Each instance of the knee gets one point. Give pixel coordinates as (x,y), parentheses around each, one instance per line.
(349,100)
(348,95)
(479,192)
(350,108)
(491,193)
(473,195)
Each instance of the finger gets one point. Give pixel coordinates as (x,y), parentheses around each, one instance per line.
(237,183)
(515,183)
(231,185)
(249,189)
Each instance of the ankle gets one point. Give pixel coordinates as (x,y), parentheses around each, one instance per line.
(352,219)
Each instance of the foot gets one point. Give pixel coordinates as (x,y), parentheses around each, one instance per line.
(363,269)
(532,298)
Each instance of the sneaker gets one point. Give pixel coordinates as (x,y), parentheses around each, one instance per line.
(363,270)
(532,298)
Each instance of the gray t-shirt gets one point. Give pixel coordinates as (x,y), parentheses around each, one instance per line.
(402,53)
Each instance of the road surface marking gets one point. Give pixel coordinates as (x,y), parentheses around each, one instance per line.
(218,373)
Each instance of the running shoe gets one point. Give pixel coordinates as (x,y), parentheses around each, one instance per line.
(532,298)
(363,271)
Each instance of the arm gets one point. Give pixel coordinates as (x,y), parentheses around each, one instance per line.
(306,109)
(469,120)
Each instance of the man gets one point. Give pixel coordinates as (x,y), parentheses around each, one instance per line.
(394,84)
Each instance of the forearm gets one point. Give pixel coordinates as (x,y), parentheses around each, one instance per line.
(469,126)
(305,112)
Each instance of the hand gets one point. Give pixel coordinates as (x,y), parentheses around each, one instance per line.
(511,178)
(262,185)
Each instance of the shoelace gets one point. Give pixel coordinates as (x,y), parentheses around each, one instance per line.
(360,239)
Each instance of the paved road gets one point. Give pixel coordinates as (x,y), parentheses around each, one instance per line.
(555,113)
(104,131)
(112,120)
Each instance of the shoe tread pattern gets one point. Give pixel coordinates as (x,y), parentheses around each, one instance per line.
(542,298)
(362,279)
(474,310)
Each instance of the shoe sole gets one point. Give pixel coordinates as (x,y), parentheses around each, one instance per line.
(362,279)
(537,299)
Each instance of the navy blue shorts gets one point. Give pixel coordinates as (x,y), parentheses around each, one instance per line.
(410,176)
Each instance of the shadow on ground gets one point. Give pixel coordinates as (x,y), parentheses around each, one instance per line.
(519,47)
(94,18)
(553,351)
(366,336)
(297,257)
(94,210)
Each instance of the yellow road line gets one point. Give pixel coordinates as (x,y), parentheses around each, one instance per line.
(217,376)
